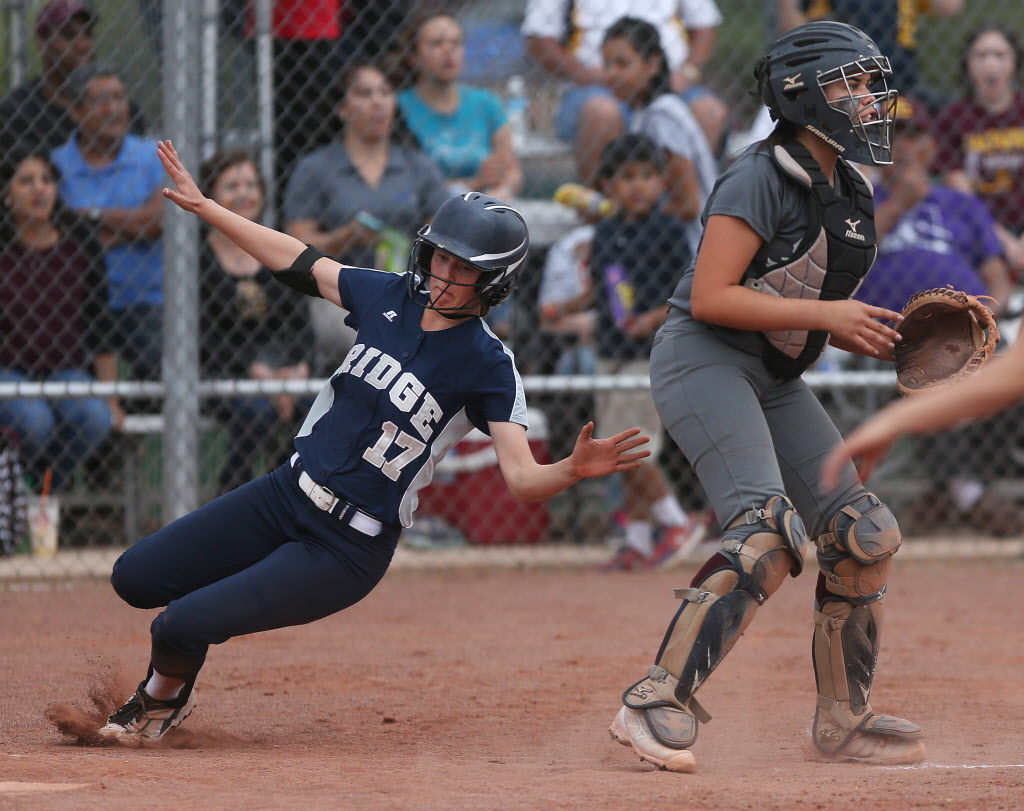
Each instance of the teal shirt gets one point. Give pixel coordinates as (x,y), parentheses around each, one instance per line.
(458,142)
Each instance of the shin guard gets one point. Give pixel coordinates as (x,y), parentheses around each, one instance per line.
(854,556)
(758,550)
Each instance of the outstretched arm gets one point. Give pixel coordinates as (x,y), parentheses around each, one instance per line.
(273,249)
(994,388)
(590,459)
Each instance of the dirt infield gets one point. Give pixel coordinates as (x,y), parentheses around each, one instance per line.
(494,689)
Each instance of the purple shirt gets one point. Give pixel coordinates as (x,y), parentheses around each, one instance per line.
(942,240)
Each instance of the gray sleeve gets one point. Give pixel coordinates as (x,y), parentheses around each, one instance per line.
(752,190)
(674,130)
(302,196)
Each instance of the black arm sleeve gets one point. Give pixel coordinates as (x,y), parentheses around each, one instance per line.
(300,275)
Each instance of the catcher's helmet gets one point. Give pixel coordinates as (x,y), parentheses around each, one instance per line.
(483,232)
(792,75)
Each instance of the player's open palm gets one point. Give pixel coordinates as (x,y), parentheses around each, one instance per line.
(857,327)
(185,193)
(599,457)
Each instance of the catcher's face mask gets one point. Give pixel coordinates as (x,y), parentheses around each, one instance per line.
(860,91)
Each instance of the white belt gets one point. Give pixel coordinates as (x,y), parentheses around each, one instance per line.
(348,513)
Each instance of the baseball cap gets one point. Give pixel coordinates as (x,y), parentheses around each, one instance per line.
(58,12)
(911,115)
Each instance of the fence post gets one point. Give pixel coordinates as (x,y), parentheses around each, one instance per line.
(181,356)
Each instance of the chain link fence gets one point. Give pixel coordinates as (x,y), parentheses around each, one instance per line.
(147,365)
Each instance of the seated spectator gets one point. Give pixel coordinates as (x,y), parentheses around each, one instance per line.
(114,180)
(930,236)
(361,172)
(462,128)
(53,319)
(568,45)
(636,68)
(980,148)
(566,278)
(638,256)
(37,113)
(249,326)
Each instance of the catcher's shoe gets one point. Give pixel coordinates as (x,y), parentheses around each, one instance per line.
(146,719)
(882,740)
(630,729)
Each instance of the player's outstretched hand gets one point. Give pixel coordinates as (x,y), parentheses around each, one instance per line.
(599,457)
(866,447)
(185,193)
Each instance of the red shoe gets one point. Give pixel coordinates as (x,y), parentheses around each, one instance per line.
(677,543)
(626,559)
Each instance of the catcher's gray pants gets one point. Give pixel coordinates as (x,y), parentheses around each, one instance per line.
(748,434)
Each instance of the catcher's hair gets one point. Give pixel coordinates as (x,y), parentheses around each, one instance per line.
(646,41)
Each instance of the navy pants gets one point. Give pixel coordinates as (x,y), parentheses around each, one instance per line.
(260,557)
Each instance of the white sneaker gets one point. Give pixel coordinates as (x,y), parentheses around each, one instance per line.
(630,729)
(144,718)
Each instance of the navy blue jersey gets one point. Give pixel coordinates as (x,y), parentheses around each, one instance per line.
(402,398)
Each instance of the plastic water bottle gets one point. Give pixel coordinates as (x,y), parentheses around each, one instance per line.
(516,105)
(591,204)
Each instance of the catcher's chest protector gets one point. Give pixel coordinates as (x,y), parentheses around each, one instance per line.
(829,263)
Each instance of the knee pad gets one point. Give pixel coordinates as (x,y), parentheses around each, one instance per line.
(758,550)
(854,552)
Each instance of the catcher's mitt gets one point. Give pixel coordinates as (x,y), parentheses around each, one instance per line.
(947,335)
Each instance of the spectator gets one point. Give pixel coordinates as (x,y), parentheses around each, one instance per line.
(462,128)
(980,149)
(113,179)
(638,256)
(637,71)
(565,37)
(52,318)
(930,236)
(249,326)
(362,172)
(892,24)
(37,112)
(566,278)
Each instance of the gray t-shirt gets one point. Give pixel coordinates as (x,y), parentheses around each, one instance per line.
(754,190)
(327,187)
(669,123)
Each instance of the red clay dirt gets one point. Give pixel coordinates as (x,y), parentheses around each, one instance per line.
(494,689)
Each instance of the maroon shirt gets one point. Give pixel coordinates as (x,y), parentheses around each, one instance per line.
(990,148)
(50,314)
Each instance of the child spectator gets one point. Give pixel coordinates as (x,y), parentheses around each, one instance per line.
(249,326)
(462,128)
(52,318)
(638,256)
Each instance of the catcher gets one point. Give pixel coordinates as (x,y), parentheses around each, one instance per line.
(789,234)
